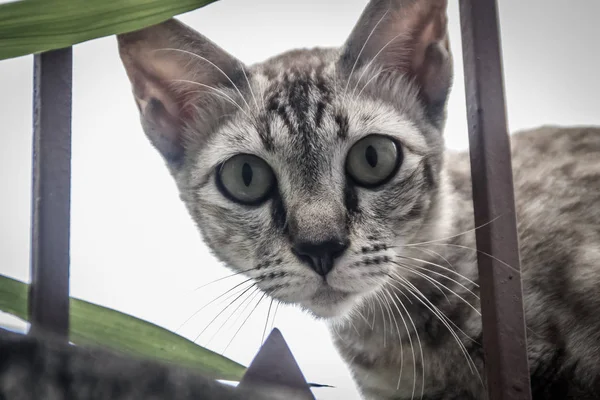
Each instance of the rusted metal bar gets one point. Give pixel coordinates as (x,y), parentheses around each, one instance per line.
(51,192)
(504,334)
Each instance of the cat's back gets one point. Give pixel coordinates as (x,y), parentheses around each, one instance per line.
(557,170)
(557,193)
(556,174)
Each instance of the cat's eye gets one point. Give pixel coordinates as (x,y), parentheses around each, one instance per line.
(246,179)
(373,160)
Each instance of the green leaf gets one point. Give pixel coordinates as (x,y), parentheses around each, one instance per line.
(93,325)
(34,26)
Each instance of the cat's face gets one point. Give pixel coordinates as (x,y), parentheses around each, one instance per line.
(308,172)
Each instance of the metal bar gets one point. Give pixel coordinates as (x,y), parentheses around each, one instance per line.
(51,192)
(504,334)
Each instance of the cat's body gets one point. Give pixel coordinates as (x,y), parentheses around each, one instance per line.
(321,174)
(557,184)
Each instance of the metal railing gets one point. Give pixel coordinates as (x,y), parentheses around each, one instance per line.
(504,334)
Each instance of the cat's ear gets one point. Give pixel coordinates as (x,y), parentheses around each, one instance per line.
(408,36)
(171,68)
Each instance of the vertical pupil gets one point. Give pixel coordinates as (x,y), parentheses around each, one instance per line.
(247,174)
(371,155)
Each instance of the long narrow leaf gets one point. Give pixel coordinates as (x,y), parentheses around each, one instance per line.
(91,324)
(33,26)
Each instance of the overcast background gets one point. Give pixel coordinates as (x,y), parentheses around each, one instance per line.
(133,246)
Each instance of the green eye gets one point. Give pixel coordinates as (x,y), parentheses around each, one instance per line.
(246,179)
(373,160)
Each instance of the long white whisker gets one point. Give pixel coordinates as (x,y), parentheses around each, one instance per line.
(221,312)
(409,269)
(212,301)
(382,317)
(429,251)
(443,319)
(399,339)
(440,312)
(516,271)
(250,86)
(440,274)
(453,236)
(373,78)
(360,314)
(225,95)
(231,315)
(366,68)
(211,63)
(412,347)
(262,340)
(274,316)
(363,48)
(433,282)
(243,323)
(225,277)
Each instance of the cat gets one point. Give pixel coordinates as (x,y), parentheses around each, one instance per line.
(322,175)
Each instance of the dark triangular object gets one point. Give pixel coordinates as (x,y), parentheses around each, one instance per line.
(274,366)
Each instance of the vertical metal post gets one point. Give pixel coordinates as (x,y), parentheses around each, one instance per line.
(51,192)
(504,335)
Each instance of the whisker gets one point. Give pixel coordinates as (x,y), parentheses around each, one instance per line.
(243,323)
(383,318)
(366,68)
(222,93)
(349,320)
(441,313)
(373,78)
(262,340)
(453,236)
(440,274)
(409,336)
(433,282)
(210,302)
(363,48)
(443,319)
(250,87)
(231,315)
(222,311)
(516,271)
(247,302)
(430,252)
(360,314)
(399,340)
(388,310)
(225,277)
(274,315)
(211,63)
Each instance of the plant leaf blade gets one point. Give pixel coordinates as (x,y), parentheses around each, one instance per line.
(34,26)
(94,325)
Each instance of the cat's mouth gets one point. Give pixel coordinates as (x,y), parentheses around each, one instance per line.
(328,302)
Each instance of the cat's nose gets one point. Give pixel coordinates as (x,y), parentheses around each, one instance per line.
(320,255)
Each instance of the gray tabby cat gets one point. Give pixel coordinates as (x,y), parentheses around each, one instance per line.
(322,175)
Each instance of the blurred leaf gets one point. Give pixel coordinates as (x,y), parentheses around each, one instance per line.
(33,26)
(93,325)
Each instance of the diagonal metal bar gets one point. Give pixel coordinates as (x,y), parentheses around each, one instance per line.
(504,334)
(274,370)
(51,192)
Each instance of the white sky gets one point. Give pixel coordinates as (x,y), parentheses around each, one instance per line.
(135,249)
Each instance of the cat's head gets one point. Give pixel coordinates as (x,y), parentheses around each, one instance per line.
(309,171)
